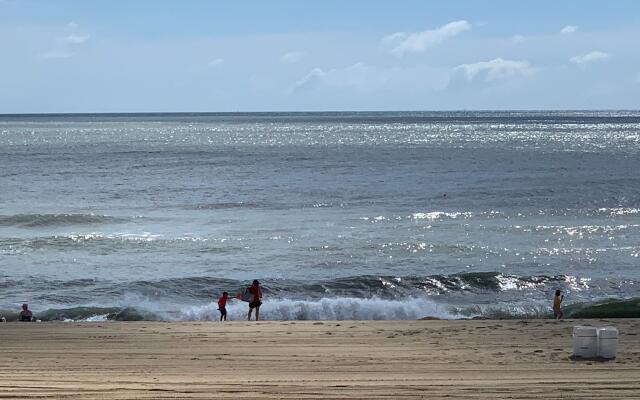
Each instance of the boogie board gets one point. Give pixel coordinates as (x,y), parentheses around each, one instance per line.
(247,296)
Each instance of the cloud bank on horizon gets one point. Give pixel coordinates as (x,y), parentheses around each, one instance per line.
(201,56)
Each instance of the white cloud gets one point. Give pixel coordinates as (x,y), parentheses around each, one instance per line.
(313,78)
(569,29)
(593,56)
(357,77)
(401,43)
(515,39)
(215,62)
(64,47)
(495,69)
(76,39)
(57,54)
(292,57)
(363,78)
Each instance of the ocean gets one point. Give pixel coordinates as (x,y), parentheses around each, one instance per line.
(366,215)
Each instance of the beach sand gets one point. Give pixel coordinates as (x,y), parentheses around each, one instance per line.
(329,359)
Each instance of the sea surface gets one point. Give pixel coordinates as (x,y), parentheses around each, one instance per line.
(390,215)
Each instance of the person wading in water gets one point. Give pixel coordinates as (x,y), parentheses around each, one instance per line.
(257,300)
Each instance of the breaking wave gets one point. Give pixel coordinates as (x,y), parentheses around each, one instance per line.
(275,310)
(344,308)
(43,220)
(111,243)
(341,308)
(465,295)
(200,288)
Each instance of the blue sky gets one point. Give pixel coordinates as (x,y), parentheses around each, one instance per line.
(137,56)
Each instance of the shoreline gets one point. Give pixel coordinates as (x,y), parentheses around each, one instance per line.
(313,359)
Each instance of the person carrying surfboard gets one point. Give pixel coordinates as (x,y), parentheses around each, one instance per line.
(256,301)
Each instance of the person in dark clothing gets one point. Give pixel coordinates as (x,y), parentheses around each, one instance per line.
(26,315)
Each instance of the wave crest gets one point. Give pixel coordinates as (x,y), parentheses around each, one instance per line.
(345,308)
(40,220)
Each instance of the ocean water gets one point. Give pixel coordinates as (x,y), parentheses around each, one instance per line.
(340,215)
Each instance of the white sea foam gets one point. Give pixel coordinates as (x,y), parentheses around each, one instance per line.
(435,215)
(577,284)
(97,318)
(344,308)
(136,237)
(620,211)
(429,216)
(513,283)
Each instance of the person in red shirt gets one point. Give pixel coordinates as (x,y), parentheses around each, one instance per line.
(257,300)
(222,306)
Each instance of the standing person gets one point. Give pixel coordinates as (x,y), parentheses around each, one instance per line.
(26,315)
(257,300)
(222,306)
(557,300)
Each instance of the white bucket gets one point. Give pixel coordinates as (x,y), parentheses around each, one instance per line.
(585,341)
(607,342)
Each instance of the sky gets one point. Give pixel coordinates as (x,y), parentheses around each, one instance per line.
(330,55)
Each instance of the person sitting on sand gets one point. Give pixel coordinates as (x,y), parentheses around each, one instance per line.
(222,306)
(257,300)
(26,315)
(557,300)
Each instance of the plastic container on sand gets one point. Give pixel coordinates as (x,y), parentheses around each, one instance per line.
(585,341)
(607,342)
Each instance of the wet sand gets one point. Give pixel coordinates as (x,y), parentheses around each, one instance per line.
(330,359)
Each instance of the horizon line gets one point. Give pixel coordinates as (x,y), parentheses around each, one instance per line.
(139,113)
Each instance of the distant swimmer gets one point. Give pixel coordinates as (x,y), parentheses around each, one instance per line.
(222,306)
(256,301)
(557,300)
(26,315)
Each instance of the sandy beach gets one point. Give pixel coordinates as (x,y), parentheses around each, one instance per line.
(328,359)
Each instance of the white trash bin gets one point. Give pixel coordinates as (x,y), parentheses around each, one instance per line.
(607,342)
(585,341)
